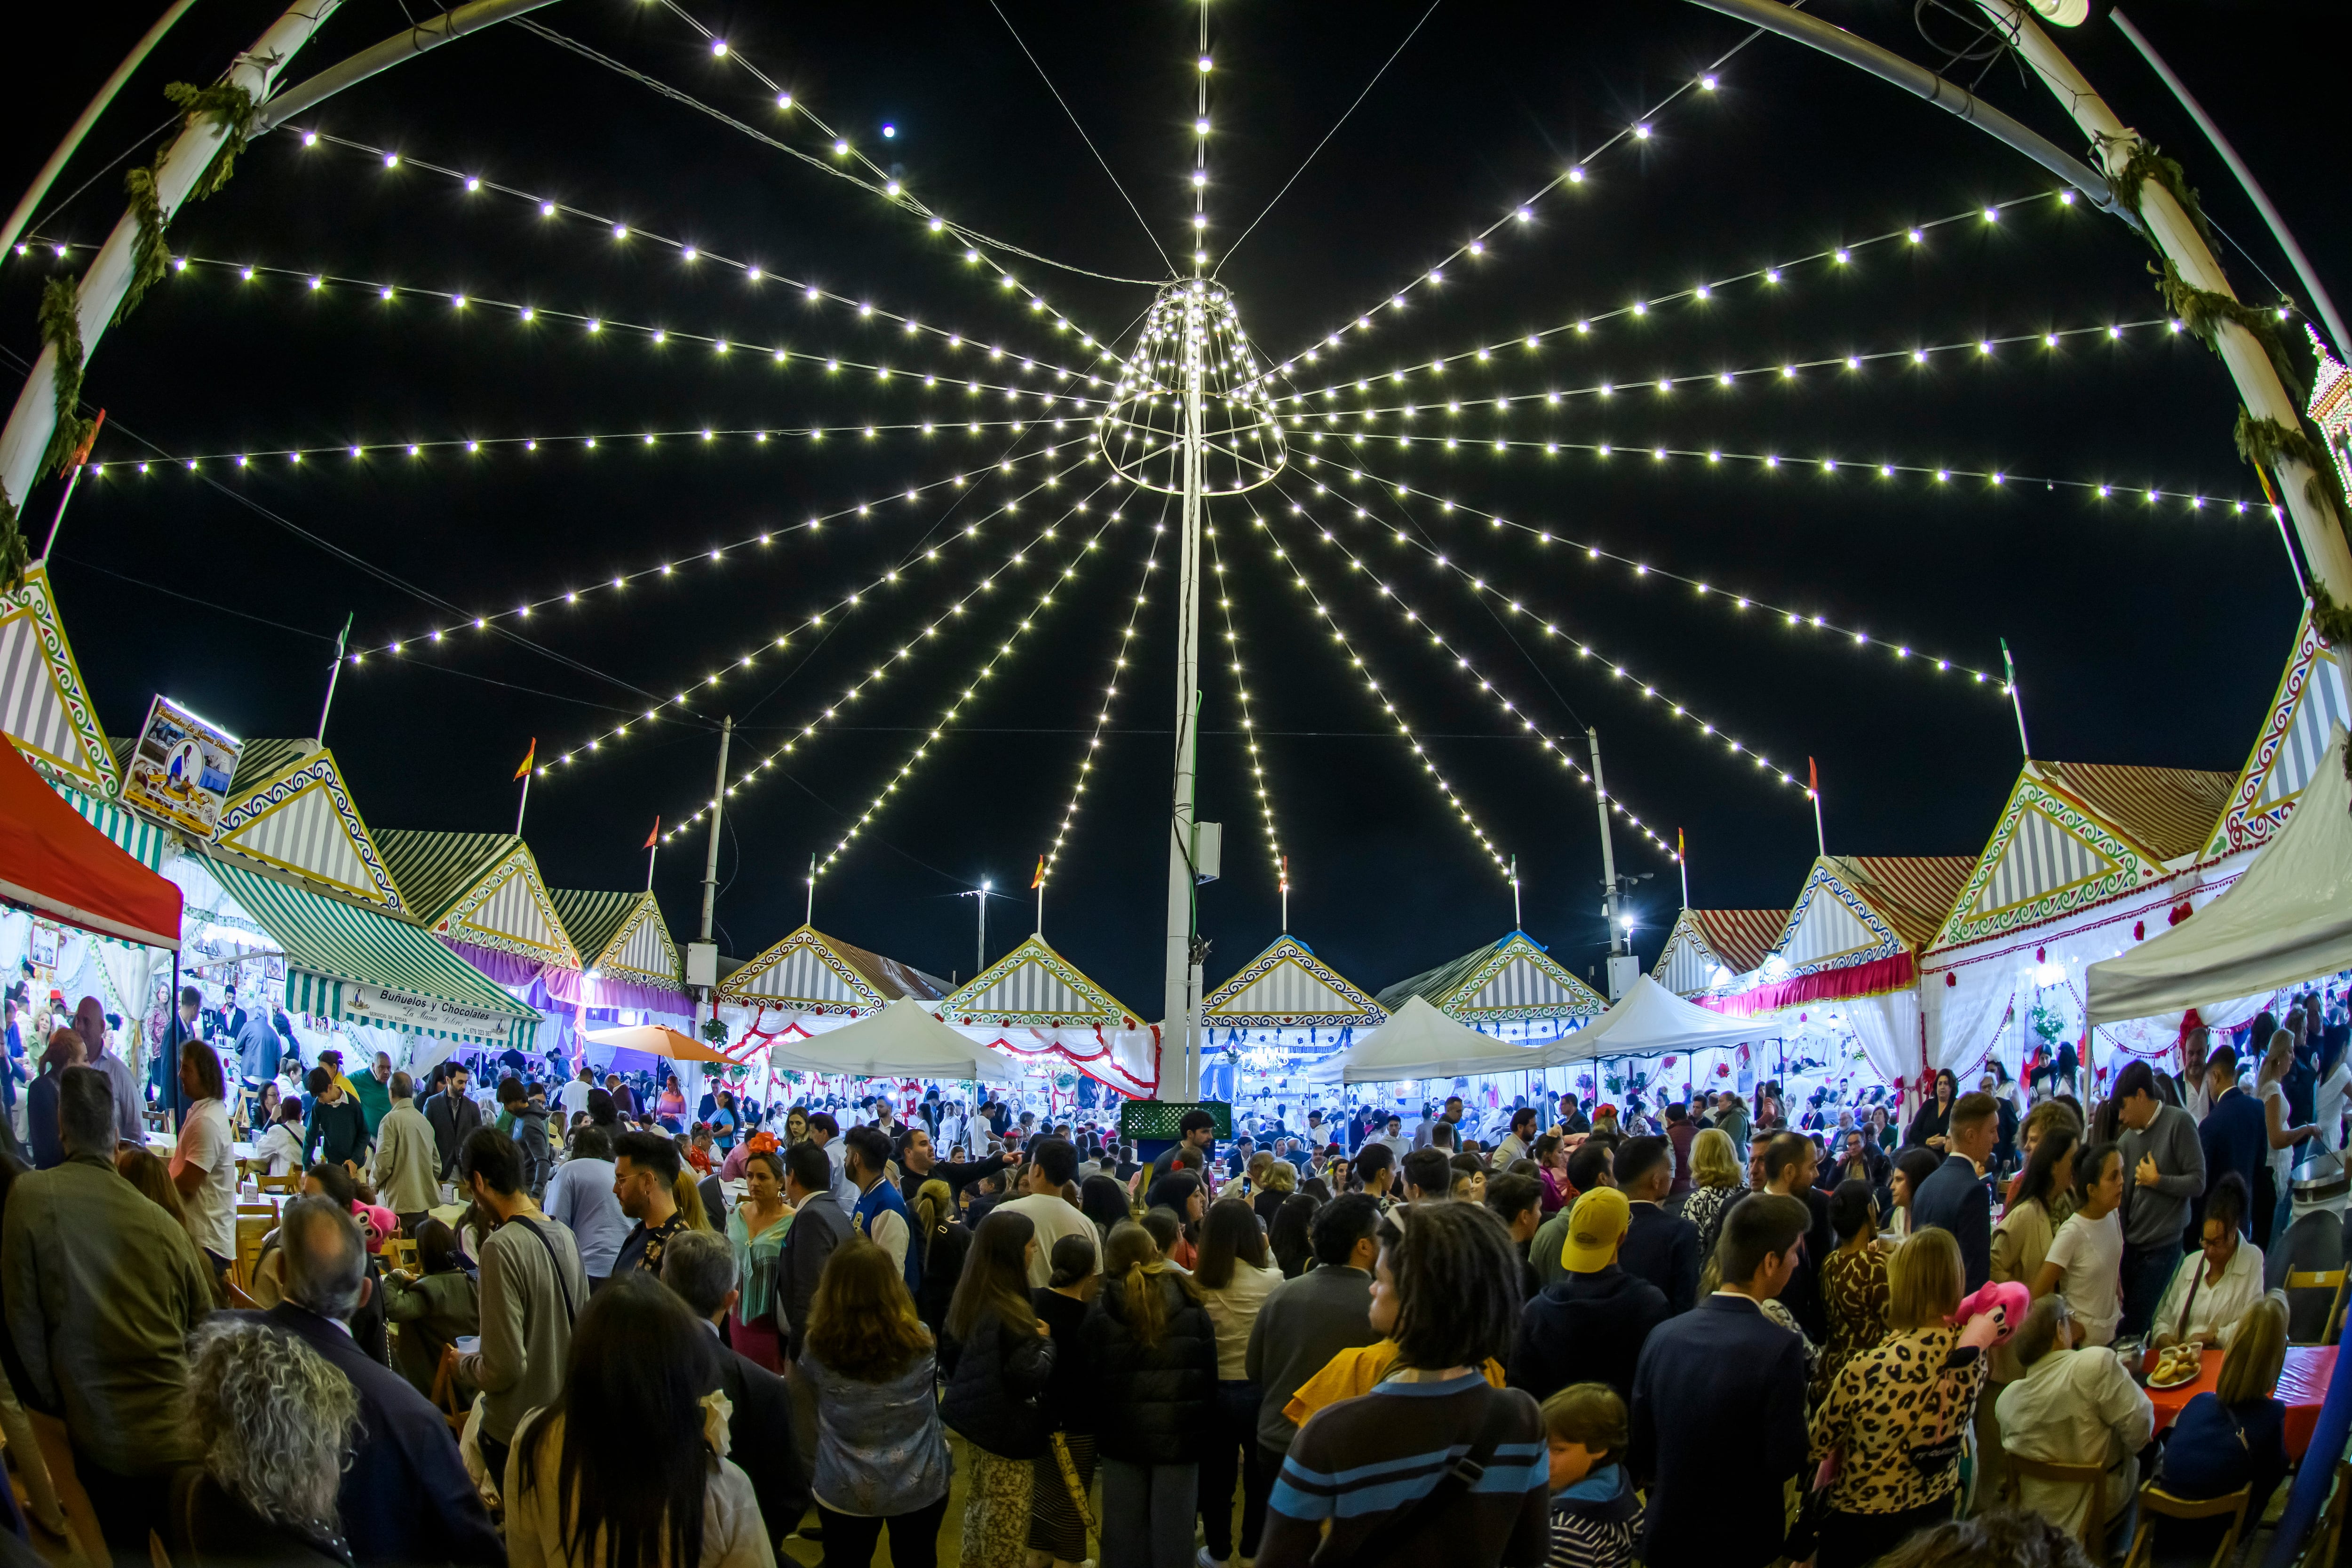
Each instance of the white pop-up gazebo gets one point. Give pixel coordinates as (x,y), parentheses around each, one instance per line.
(1418,1042)
(2287,920)
(904,1039)
(1650,1020)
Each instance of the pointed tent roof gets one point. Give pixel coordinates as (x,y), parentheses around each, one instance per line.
(820,973)
(289,808)
(2076,833)
(1857,908)
(1510,981)
(1286,987)
(45,708)
(1034,987)
(481,888)
(1420,1041)
(1704,941)
(905,1039)
(1650,1020)
(2309,702)
(619,934)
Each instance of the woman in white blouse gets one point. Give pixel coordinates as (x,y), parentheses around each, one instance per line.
(2215,1284)
(280,1142)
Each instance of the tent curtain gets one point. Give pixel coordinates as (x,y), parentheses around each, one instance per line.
(1886,1027)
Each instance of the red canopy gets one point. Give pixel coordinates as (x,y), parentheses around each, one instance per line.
(53,861)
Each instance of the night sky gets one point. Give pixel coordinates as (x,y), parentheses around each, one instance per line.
(2144,633)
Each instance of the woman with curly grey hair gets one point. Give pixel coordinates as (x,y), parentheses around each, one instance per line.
(276,1422)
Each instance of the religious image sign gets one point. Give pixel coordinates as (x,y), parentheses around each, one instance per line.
(180,771)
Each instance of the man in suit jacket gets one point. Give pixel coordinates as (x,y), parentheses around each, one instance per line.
(699,1268)
(405,1496)
(819,1224)
(1718,1430)
(1660,1248)
(1954,1197)
(453,1114)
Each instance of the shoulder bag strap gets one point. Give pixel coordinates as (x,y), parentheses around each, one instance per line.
(554,1261)
(1459,1477)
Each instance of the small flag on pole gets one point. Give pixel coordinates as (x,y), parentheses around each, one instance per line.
(1039,881)
(652,835)
(1812,777)
(1678,843)
(528,758)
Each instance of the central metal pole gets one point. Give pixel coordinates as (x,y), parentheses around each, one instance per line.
(2016,699)
(717,806)
(1607,852)
(1176,1001)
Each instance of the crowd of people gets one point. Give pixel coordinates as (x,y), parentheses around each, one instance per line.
(557,1324)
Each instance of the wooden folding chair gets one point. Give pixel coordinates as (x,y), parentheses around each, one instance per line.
(2092,1477)
(2331,1280)
(2155,1502)
(445,1391)
(289,1183)
(400,1252)
(250,1230)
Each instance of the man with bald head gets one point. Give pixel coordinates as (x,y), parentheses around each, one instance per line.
(405,1496)
(90,1023)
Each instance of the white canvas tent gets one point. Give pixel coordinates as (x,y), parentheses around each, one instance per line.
(2288,919)
(1650,1020)
(904,1039)
(1420,1041)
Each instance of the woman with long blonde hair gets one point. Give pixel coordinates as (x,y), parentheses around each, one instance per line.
(881,1457)
(2235,1436)
(2271,1184)
(1715,1173)
(1153,1352)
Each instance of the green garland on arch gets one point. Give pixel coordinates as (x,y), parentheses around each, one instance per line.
(60,329)
(2263,442)
(225,105)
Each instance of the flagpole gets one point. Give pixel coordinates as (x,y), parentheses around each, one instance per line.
(332,671)
(80,461)
(2016,699)
(1286,895)
(523,803)
(652,853)
(1813,789)
(1682,864)
(809,917)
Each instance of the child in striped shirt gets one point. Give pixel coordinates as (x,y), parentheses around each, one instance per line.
(1595,1516)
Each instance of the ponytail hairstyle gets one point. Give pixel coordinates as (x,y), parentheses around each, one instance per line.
(934,1205)
(1133,1268)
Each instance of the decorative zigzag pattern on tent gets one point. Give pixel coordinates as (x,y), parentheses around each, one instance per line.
(808,971)
(1286,987)
(619,934)
(289,808)
(482,888)
(1832,926)
(45,708)
(1034,987)
(1519,982)
(2309,703)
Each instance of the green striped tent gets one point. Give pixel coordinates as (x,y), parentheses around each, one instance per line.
(482,888)
(142,840)
(620,935)
(353,964)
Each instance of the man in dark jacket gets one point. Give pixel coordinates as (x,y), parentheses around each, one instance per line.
(1954,1196)
(405,1496)
(1718,1430)
(918,1163)
(699,1268)
(1589,1327)
(819,1224)
(1660,1248)
(453,1114)
(1307,1320)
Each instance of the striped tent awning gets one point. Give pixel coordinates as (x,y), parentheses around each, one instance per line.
(134,835)
(353,963)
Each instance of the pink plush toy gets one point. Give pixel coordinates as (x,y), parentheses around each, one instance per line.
(2010,1304)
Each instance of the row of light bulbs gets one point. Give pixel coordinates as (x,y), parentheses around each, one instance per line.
(719,554)
(1522,212)
(1387,706)
(984,585)
(1514,607)
(1739,602)
(1249,724)
(692,254)
(1467,670)
(475,446)
(1055,579)
(1119,659)
(1696,294)
(1667,382)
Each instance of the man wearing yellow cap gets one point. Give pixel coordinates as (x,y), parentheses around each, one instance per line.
(1589,1326)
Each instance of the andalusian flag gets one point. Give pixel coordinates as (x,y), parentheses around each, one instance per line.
(1039,881)
(528,757)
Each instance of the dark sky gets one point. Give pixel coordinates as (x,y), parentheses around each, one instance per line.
(2144,633)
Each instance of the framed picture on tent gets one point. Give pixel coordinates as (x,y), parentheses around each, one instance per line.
(41,947)
(273,969)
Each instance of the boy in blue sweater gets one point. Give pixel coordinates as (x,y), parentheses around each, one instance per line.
(1595,1518)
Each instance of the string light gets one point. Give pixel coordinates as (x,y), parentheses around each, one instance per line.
(1111,692)
(620,581)
(1069,571)
(1485,687)
(1304,411)
(1387,706)
(985,583)
(1740,604)
(549,207)
(1697,293)
(1637,129)
(1249,725)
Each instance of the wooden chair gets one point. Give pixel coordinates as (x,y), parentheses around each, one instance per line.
(2155,1502)
(445,1391)
(250,1229)
(2331,1281)
(2092,1477)
(400,1252)
(289,1183)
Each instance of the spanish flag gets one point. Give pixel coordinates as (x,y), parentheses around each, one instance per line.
(528,758)
(1678,843)
(1039,881)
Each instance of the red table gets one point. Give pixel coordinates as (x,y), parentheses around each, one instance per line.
(2302,1385)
